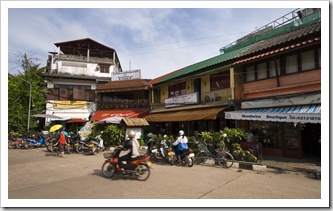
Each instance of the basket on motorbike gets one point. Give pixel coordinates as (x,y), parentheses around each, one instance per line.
(108,154)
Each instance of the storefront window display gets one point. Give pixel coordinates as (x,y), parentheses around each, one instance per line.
(270,134)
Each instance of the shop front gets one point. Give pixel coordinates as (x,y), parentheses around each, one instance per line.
(292,131)
(192,121)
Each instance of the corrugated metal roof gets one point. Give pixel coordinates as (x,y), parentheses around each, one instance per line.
(203,64)
(135,121)
(290,34)
(135,84)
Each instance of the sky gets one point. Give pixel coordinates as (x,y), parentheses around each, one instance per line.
(155,40)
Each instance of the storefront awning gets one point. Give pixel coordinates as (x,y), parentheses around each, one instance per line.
(302,114)
(185,115)
(128,113)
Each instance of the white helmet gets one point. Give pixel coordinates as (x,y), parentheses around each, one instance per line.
(131,134)
(181,132)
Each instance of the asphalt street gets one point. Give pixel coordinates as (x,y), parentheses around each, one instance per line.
(39,174)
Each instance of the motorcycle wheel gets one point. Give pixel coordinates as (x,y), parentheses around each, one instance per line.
(171,160)
(11,145)
(79,149)
(189,161)
(69,149)
(142,172)
(94,150)
(50,147)
(225,159)
(201,157)
(108,170)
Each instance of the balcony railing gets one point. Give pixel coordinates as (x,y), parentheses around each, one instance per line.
(216,96)
(123,104)
(69,57)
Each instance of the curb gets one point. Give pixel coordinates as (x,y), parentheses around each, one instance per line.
(249,166)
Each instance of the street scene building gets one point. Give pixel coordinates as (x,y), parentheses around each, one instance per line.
(268,81)
(73,73)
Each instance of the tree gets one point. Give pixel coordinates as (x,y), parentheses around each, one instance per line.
(19,94)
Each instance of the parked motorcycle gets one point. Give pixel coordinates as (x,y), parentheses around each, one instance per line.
(138,167)
(167,153)
(92,146)
(17,143)
(152,149)
(187,157)
(36,141)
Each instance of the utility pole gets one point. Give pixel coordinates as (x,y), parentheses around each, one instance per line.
(28,126)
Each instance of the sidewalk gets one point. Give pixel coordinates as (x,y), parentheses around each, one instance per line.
(308,166)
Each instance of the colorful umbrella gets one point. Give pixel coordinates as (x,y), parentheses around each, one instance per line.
(55,128)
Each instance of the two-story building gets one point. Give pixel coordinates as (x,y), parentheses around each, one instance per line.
(276,68)
(73,73)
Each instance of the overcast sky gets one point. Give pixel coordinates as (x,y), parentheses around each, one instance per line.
(155,40)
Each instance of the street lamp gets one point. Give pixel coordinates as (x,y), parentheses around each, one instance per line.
(28,127)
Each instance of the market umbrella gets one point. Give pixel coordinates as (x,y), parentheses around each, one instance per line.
(113,120)
(55,128)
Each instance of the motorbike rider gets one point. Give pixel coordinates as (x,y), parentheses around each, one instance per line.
(180,144)
(129,144)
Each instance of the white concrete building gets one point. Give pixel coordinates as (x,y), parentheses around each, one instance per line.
(73,73)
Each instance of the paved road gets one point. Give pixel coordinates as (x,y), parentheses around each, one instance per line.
(39,174)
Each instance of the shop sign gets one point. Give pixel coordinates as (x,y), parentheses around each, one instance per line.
(126,75)
(182,100)
(273,117)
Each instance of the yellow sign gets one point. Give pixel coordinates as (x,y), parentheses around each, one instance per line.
(69,104)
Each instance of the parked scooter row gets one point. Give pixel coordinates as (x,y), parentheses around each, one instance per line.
(91,145)
(27,142)
(167,153)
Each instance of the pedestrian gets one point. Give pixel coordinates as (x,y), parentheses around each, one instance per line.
(62,143)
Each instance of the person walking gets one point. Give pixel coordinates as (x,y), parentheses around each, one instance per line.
(62,143)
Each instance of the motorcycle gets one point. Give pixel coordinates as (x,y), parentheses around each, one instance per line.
(187,157)
(152,149)
(138,167)
(167,153)
(17,143)
(92,146)
(36,141)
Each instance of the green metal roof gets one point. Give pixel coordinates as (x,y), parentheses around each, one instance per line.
(203,64)
(232,52)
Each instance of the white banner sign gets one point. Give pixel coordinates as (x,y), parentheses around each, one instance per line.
(182,100)
(274,117)
(126,75)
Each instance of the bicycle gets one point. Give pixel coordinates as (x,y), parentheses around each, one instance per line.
(221,156)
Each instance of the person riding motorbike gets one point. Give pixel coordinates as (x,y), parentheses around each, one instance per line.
(133,145)
(180,145)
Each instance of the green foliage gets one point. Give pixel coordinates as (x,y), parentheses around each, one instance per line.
(113,135)
(19,94)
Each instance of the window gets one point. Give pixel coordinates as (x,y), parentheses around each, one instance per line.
(104,69)
(220,81)
(262,71)
(250,74)
(177,89)
(291,64)
(272,68)
(71,92)
(157,95)
(308,60)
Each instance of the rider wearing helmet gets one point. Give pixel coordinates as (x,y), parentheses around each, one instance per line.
(180,144)
(130,144)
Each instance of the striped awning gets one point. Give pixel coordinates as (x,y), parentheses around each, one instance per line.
(301,114)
